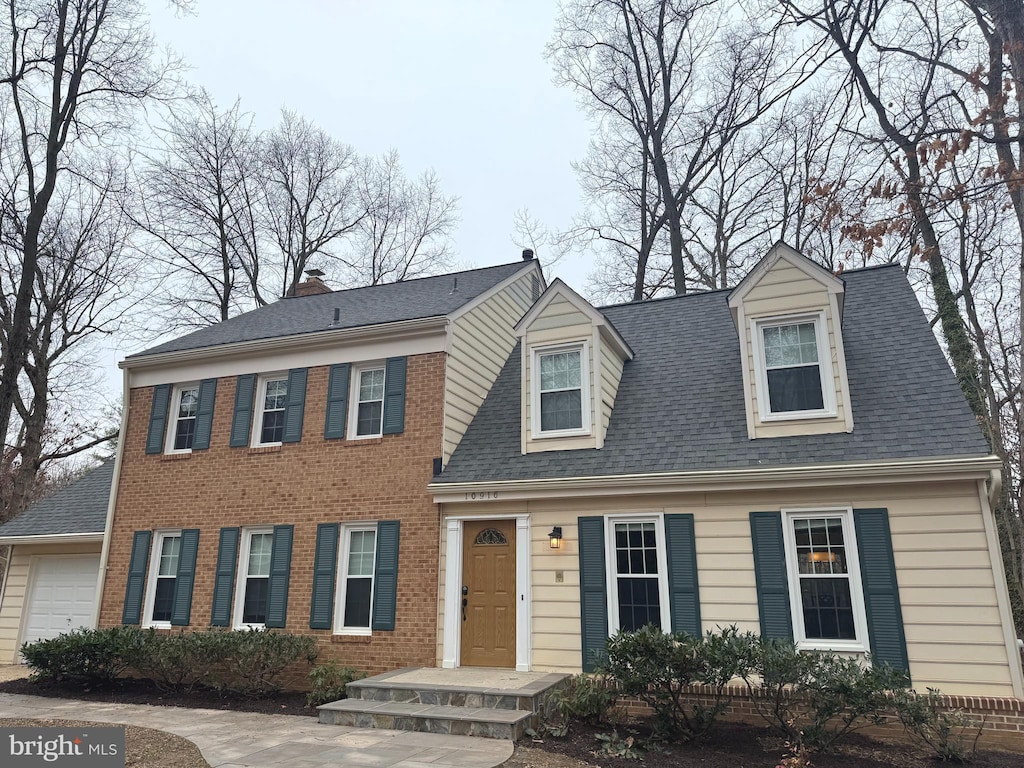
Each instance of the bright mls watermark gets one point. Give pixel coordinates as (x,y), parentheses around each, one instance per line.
(62,747)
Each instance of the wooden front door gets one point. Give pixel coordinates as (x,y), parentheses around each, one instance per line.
(489,593)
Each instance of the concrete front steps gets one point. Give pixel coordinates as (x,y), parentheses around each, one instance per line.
(493,703)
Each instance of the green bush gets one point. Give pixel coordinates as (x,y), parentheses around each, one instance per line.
(952,734)
(327,683)
(251,661)
(816,698)
(85,656)
(656,667)
(586,698)
(180,662)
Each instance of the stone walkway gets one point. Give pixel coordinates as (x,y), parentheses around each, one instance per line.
(247,740)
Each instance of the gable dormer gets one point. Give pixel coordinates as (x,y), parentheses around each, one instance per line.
(788,314)
(572,360)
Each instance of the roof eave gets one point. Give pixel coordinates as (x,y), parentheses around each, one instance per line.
(399,329)
(53,538)
(915,470)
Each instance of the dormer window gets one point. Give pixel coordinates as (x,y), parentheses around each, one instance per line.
(560,393)
(793,382)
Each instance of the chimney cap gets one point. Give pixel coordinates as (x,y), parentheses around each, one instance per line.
(527,254)
(314,273)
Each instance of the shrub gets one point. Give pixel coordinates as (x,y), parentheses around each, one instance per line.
(952,734)
(656,667)
(815,698)
(85,656)
(251,661)
(327,683)
(180,661)
(586,698)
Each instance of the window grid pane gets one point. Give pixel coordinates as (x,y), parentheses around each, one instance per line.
(825,597)
(259,554)
(169,551)
(561,393)
(362,548)
(636,566)
(370,407)
(254,604)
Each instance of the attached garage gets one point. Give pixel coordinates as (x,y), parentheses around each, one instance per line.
(53,566)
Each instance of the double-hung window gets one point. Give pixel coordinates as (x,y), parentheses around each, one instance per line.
(272,396)
(638,574)
(561,398)
(184,409)
(794,377)
(253,578)
(164,577)
(355,585)
(368,405)
(824,576)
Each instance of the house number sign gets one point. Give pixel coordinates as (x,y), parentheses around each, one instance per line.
(481,496)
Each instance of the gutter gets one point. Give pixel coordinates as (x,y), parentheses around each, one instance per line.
(420,326)
(52,538)
(995,486)
(723,479)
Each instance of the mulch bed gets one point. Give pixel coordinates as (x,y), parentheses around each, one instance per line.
(735,745)
(132,691)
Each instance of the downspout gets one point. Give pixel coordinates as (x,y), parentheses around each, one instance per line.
(995,487)
(112,503)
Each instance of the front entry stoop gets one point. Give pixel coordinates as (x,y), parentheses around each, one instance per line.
(493,703)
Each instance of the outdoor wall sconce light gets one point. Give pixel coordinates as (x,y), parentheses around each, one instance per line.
(555,537)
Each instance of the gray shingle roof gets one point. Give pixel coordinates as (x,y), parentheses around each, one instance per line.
(78,508)
(680,402)
(392,302)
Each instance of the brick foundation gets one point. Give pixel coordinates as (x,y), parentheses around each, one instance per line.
(303,484)
(1003,725)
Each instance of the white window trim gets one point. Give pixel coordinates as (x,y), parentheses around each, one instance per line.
(172,416)
(342,578)
(353,405)
(610,567)
(861,644)
(152,575)
(242,576)
(586,406)
(825,372)
(257,407)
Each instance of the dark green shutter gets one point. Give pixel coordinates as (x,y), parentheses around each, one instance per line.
(325,563)
(337,401)
(158,418)
(770,575)
(204,414)
(181,608)
(593,592)
(224,578)
(280,572)
(294,406)
(394,396)
(242,420)
(385,576)
(684,595)
(136,586)
(881,590)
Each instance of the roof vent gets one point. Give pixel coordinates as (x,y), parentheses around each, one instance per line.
(337,318)
(527,254)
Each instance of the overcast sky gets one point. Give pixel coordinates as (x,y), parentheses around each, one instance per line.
(460,87)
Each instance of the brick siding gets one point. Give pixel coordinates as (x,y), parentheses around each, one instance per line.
(303,484)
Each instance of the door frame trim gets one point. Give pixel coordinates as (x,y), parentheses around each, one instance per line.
(451,651)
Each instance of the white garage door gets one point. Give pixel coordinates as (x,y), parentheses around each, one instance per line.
(63,595)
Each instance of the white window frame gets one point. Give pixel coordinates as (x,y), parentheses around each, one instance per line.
(611,575)
(153,574)
(353,406)
(342,579)
(585,405)
(241,577)
(825,372)
(258,407)
(861,643)
(172,416)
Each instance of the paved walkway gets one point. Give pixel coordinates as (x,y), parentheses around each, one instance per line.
(237,739)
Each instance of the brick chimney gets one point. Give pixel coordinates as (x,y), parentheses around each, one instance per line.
(312,285)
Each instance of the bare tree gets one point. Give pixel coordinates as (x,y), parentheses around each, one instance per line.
(405,226)
(201,198)
(72,70)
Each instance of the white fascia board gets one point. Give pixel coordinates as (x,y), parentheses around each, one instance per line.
(923,470)
(781,251)
(559,288)
(54,538)
(408,337)
(469,306)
